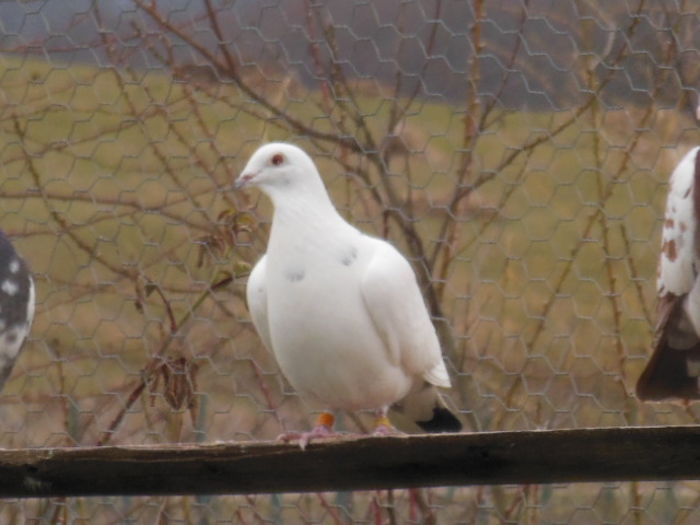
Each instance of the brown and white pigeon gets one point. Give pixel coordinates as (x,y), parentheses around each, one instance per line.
(674,368)
(341,311)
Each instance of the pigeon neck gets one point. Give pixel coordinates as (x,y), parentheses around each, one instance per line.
(299,209)
(299,201)
(301,221)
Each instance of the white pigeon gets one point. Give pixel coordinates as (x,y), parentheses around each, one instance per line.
(16,306)
(341,311)
(674,368)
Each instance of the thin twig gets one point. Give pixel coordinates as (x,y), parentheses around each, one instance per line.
(156,361)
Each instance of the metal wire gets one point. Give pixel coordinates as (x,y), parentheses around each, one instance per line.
(516,152)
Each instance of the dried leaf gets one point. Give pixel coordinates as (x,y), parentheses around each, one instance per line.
(178,382)
(150,288)
(241,268)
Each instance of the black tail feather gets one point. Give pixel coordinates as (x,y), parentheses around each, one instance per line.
(442,421)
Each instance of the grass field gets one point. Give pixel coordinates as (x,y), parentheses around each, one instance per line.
(114,187)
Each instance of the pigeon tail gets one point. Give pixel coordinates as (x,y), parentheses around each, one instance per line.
(427,409)
(442,421)
(673,372)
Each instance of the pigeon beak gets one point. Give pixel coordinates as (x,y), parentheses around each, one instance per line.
(243,181)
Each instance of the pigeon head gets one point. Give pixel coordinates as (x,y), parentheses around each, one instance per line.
(278,168)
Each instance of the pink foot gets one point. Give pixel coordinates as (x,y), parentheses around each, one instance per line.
(384,430)
(323,429)
(304,438)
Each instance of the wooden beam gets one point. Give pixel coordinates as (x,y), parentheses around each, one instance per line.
(363,463)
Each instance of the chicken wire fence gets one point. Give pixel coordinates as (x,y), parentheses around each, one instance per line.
(517,152)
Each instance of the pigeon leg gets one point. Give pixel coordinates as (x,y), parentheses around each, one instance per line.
(382,425)
(323,429)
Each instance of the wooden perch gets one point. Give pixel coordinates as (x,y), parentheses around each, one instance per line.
(364,463)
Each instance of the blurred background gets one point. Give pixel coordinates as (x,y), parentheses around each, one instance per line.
(517,152)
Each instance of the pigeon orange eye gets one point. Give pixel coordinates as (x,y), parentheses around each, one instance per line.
(277,159)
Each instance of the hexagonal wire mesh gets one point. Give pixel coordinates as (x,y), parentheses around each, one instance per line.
(516,152)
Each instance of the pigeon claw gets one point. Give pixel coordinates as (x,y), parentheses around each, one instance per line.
(304,438)
(323,429)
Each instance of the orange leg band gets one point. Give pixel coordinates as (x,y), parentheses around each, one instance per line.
(325,419)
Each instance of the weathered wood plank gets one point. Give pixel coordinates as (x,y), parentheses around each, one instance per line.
(365,463)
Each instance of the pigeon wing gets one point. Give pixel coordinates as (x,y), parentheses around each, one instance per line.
(16,306)
(394,303)
(256,296)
